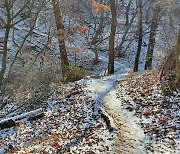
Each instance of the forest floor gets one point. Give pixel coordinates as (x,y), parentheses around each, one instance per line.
(110,114)
(146,120)
(129,135)
(117,114)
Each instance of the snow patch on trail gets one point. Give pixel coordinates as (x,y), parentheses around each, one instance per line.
(129,135)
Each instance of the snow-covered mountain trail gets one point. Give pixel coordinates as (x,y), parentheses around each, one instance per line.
(129,135)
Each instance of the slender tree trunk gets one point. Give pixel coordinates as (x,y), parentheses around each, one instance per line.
(112,37)
(152,38)
(148,11)
(139,36)
(5,46)
(127,11)
(178,62)
(119,47)
(96,59)
(97,33)
(61,34)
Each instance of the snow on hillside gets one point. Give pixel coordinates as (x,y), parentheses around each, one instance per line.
(111,114)
(122,113)
(142,96)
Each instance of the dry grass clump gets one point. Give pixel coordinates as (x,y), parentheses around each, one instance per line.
(74,73)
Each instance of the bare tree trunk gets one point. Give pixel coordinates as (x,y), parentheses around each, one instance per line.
(112,37)
(178,62)
(96,59)
(148,11)
(152,38)
(139,36)
(97,33)
(127,11)
(61,34)
(5,47)
(119,47)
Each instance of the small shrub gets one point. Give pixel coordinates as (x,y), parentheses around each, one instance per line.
(74,73)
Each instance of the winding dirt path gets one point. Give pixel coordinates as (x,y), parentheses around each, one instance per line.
(129,135)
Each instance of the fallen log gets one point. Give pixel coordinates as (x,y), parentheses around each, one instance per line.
(32,115)
(7,124)
(35,117)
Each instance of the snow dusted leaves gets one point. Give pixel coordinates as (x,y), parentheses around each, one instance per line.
(159,113)
(70,124)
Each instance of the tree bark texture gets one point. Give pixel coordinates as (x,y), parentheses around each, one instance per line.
(112,37)
(61,33)
(136,63)
(5,42)
(178,62)
(127,11)
(152,38)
